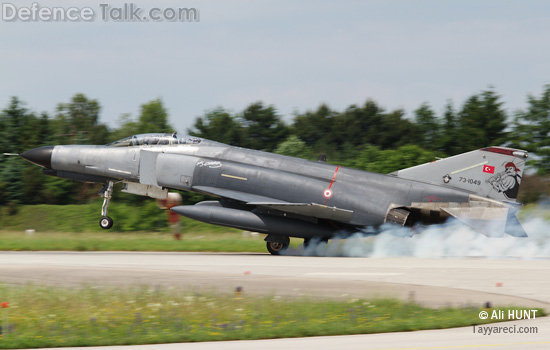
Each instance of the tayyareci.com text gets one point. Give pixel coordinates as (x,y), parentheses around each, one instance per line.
(513,329)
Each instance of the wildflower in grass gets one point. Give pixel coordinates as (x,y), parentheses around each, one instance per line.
(5,305)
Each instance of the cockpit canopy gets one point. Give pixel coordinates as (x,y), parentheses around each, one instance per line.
(154,139)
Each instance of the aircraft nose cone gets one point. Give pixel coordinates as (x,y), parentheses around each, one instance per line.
(41,156)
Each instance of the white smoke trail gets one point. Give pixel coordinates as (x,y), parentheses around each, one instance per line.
(452,239)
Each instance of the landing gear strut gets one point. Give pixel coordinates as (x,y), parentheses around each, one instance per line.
(106,222)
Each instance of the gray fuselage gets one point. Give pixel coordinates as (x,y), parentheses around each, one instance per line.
(191,167)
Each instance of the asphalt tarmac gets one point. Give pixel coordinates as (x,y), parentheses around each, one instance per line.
(430,282)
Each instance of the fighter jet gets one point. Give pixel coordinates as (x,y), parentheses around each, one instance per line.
(290,197)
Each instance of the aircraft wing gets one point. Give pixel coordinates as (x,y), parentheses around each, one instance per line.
(306,209)
(236,195)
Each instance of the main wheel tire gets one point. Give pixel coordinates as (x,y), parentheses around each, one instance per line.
(105,222)
(275,248)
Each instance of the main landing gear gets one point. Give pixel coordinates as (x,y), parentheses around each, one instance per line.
(106,222)
(277,244)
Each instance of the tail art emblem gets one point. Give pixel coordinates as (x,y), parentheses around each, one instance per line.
(507,181)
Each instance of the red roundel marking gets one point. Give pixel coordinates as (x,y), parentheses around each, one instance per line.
(328,192)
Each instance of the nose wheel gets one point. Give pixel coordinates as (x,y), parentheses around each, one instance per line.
(106,222)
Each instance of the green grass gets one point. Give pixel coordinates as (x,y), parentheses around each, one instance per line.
(85,218)
(229,241)
(232,241)
(50,316)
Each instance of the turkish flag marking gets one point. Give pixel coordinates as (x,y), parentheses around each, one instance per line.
(489,169)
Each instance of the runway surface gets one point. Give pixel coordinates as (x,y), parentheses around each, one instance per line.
(430,282)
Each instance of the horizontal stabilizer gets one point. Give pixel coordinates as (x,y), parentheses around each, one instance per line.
(513,226)
(313,209)
(489,221)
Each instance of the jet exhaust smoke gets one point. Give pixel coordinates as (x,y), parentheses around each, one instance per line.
(452,239)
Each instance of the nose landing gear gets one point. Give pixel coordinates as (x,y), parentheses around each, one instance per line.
(106,222)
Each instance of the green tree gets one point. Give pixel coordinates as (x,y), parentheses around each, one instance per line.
(448,141)
(154,118)
(126,127)
(315,127)
(218,125)
(482,121)
(372,158)
(81,119)
(396,131)
(11,177)
(359,125)
(44,131)
(427,126)
(263,128)
(370,124)
(59,191)
(17,129)
(17,135)
(532,130)
(293,147)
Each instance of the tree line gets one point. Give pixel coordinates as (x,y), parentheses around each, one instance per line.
(363,136)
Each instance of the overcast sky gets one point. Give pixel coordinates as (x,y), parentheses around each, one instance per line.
(292,54)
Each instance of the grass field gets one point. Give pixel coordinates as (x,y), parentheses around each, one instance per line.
(47,317)
(75,227)
(231,241)
(85,218)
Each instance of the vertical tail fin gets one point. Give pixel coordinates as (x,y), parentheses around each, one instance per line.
(492,172)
